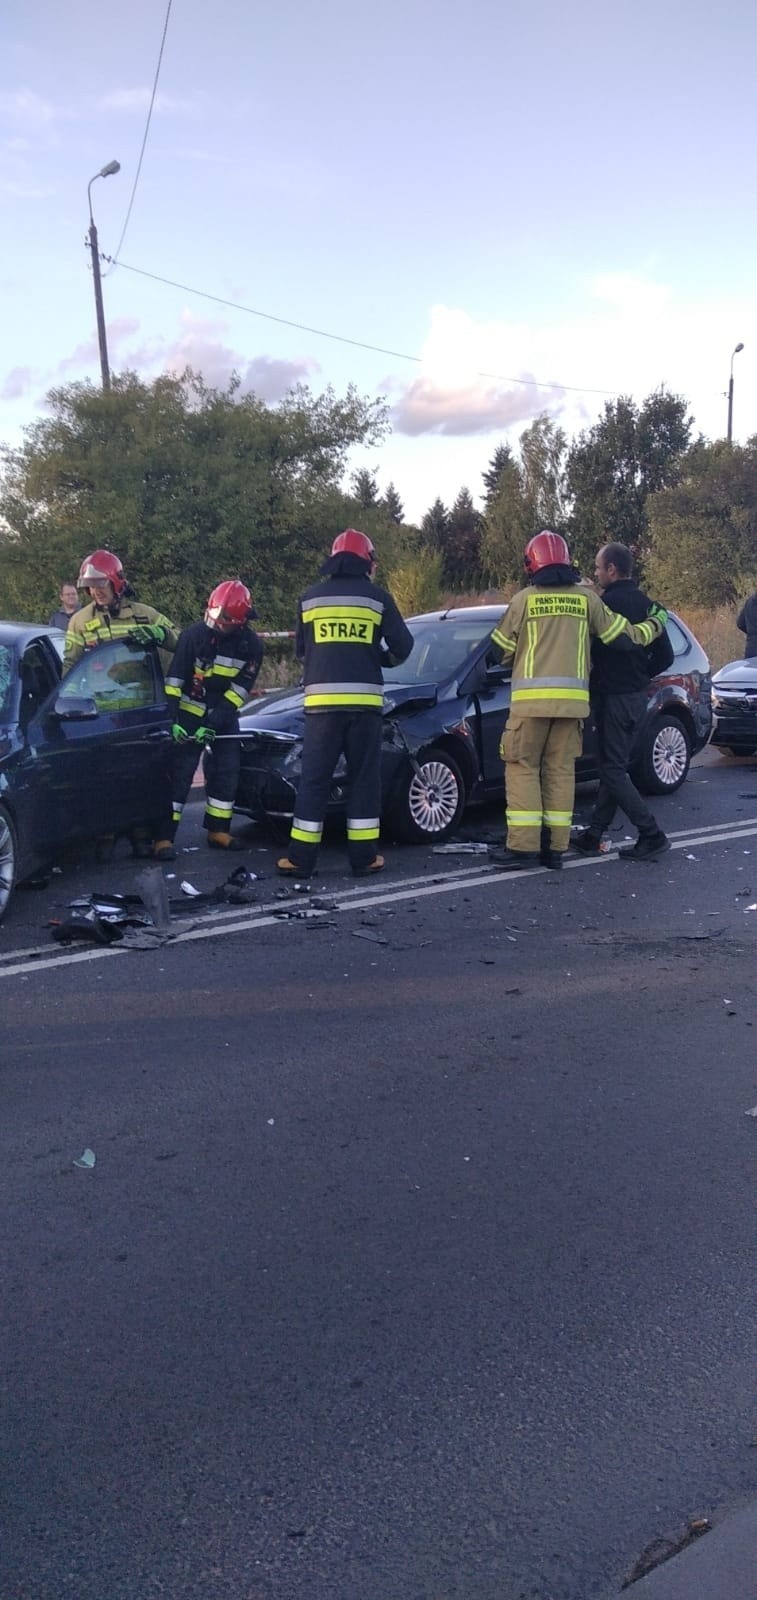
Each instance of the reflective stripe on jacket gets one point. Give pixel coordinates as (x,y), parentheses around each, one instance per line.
(548,632)
(346,626)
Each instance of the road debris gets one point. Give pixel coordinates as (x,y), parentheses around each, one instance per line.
(189,888)
(462,849)
(86,1159)
(367,933)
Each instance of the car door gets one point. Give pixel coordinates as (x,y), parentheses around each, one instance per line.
(39,797)
(493,706)
(109,735)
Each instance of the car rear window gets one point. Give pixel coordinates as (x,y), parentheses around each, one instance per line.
(677,637)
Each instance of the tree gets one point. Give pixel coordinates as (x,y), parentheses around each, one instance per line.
(500,463)
(462,544)
(187,483)
(613,467)
(365,488)
(522,496)
(702,538)
(393,505)
(434,526)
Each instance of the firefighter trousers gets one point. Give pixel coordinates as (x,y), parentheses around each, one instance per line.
(540,777)
(221,764)
(356,734)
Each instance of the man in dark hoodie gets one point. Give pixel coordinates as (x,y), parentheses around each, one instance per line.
(547,629)
(619,701)
(346,628)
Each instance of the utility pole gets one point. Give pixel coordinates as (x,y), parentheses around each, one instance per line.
(105,172)
(729,434)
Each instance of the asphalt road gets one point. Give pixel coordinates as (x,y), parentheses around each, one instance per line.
(415,1261)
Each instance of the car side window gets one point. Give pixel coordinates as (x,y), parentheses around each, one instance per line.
(37,680)
(115,677)
(677,637)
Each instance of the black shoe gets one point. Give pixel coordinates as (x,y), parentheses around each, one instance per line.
(587,843)
(646,849)
(514,860)
(552,859)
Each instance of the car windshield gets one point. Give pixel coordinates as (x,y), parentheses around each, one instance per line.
(439,648)
(8,676)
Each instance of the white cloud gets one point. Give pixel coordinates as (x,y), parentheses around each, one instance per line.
(428,407)
(138,101)
(26,107)
(16,383)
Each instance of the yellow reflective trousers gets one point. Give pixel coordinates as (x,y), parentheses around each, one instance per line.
(540,777)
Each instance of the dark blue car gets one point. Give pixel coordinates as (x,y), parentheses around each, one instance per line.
(79,756)
(444,711)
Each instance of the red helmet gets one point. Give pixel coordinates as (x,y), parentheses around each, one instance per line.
(230,602)
(102,567)
(353,543)
(546,550)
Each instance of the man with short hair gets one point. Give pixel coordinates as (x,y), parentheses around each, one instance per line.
(618,688)
(69,603)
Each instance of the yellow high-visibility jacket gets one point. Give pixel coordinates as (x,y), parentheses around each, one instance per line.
(95,625)
(548,632)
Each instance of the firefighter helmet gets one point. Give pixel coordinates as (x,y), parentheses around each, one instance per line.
(353,543)
(546,550)
(102,567)
(230,603)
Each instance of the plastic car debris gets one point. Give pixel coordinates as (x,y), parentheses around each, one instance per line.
(86,1159)
(367,933)
(320,903)
(462,849)
(189,888)
(154,894)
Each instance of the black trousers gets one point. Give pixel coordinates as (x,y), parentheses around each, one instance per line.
(221,764)
(328,734)
(617,718)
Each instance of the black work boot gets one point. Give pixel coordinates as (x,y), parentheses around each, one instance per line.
(552,859)
(514,860)
(587,843)
(646,848)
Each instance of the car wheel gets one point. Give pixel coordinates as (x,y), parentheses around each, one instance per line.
(427,808)
(742,749)
(664,758)
(8,859)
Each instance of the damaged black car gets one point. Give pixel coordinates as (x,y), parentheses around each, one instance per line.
(444,711)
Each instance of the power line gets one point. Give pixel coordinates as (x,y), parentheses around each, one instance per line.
(340,338)
(114,258)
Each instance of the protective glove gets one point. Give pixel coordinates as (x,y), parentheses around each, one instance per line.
(204,734)
(147,633)
(657,613)
(178,733)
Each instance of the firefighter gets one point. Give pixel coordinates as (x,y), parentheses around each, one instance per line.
(210,677)
(547,629)
(346,628)
(113,611)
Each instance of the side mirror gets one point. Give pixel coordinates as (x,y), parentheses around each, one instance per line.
(73,708)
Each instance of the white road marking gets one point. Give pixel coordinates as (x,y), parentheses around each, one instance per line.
(21,962)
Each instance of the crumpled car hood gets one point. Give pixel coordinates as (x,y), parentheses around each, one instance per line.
(738,674)
(282,710)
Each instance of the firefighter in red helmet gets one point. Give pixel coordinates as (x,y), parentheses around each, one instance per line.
(547,631)
(346,627)
(112,612)
(213,670)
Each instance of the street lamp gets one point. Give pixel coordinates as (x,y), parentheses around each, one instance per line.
(730,395)
(105,172)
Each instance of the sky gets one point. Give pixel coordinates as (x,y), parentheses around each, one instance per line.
(527,209)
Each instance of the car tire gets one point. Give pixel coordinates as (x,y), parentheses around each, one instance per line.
(742,749)
(421,815)
(664,756)
(8,859)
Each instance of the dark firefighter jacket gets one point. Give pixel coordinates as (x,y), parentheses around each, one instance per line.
(211,675)
(98,625)
(547,630)
(346,627)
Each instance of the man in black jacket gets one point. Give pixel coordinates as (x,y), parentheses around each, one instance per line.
(346,628)
(747,622)
(619,701)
